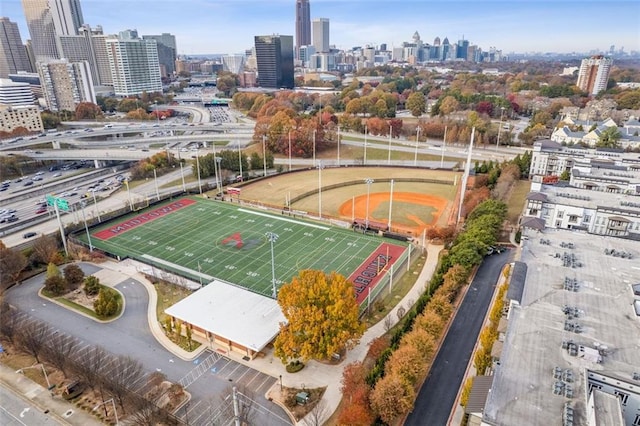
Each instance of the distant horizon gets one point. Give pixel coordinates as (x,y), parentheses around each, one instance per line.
(512,26)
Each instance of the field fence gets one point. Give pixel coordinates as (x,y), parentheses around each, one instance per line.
(391,277)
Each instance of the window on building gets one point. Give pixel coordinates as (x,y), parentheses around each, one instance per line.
(636,422)
(560,214)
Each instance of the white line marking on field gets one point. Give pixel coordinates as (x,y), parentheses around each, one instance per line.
(285,219)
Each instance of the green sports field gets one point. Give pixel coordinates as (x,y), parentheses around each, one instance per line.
(205,239)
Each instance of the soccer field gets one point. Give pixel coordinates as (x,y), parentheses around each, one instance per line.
(205,239)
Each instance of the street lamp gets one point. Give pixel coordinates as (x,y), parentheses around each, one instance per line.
(368,181)
(320,167)
(272,237)
(115,411)
(499,128)
(86,228)
(184,187)
(46,377)
(415,157)
(389,157)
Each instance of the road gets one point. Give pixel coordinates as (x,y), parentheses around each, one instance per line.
(438,394)
(16,411)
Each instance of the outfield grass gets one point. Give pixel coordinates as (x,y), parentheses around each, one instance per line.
(210,239)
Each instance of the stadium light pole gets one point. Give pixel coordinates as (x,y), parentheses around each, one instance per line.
(264,153)
(338,146)
(390,132)
(273,237)
(184,187)
(155,178)
(368,181)
(320,166)
(289,150)
(314,147)
(444,142)
(499,128)
(215,161)
(240,162)
(198,167)
(415,157)
(365,145)
(220,188)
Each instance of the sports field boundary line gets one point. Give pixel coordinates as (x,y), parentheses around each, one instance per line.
(284,219)
(180,268)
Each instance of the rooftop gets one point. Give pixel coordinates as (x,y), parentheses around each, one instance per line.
(231,312)
(590,306)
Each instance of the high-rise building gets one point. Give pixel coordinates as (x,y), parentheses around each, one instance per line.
(49,19)
(321,35)
(594,74)
(42,30)
(67,16)
(65,84)
(233,63)
(167,50)
(303,24)
(27,116)
(13,55)
(88,46)
(274,55)
(134,64)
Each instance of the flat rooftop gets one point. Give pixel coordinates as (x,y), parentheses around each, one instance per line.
(524,382)
(587,198)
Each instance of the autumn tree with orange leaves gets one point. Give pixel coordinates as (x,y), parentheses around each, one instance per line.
(321,316)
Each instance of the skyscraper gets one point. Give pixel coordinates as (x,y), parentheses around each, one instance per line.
(13,54)
(303,24)
(594,74)
(167,50)
(48,19)
(274,55)
(134,64)
(321,35)
(88,46)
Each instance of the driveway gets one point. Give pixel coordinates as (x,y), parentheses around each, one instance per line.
(438,393)
(130,335)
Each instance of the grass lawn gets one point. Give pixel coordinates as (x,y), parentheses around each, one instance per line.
(517,199)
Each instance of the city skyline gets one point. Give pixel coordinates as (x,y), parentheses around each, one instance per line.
(219,27)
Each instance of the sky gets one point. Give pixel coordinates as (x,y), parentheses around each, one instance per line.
(228,26)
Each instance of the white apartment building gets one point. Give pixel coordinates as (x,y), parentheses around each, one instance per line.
(12,117)
(593,75)
(134,65)
(15,94)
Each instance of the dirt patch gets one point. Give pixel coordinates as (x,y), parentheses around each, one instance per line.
(81,298)
(376,200)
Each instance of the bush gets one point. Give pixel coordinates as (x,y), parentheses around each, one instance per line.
(107,303)
(91,285)
(73,275)
(294,366)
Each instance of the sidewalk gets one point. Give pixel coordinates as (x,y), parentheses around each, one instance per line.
(64,412)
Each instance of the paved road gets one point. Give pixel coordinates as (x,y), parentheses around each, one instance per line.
(438,393)
(16,411)
(130,335)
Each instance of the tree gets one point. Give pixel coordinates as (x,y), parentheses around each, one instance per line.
(449,104)
(322,316)
(12,263)
(407,363)
(44,250)
(392,397)
(55,285)
(91,285)
(106,304)
(125,371)
(609,138)
(49,120)
(32,338)
(60,350)
(424,342)
(565,175)
(73,275)
(355,387)
(416,104)
(87,111)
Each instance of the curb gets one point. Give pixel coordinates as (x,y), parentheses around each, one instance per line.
(69,308)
